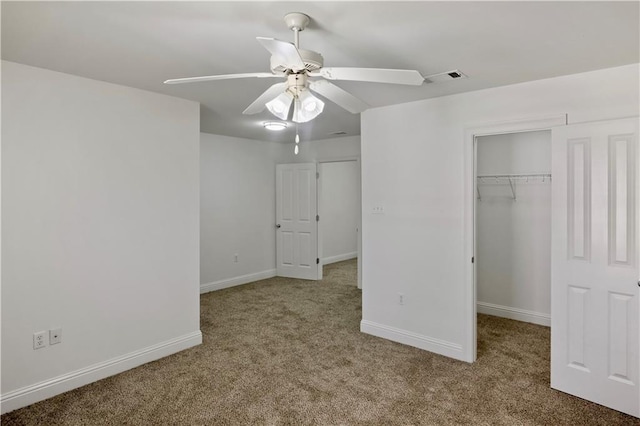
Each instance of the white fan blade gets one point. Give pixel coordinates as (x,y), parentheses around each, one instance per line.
(338,96)
(259,104)
(221,77)
(285,51)
(373,75)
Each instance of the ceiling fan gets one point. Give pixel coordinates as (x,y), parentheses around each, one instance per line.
(304,72)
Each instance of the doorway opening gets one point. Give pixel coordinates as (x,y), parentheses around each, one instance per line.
(339,208)
(513,240)
(305,218)
(544,123)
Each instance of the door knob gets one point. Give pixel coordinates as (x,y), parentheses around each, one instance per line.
(278,226)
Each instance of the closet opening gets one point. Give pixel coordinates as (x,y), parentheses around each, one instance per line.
(512,256)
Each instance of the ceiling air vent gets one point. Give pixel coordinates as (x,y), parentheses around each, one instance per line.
(445,76)
(338,133)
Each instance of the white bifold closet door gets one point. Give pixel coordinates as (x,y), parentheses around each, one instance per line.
(594,265)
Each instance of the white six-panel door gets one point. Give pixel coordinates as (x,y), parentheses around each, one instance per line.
(594,265)
(296,225)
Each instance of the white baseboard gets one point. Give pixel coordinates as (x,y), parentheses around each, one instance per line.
(40,391)
(339,258)
(242,279)
(514,313)
(430,344)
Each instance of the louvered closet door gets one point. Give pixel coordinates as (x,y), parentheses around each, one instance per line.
(594,268)
(296,228)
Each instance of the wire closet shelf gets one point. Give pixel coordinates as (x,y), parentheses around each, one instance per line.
(511,179)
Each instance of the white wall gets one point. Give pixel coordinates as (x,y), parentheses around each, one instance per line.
(513,237)
(413,165)
(237,195)
(322,150)
(339,210)
(100,229)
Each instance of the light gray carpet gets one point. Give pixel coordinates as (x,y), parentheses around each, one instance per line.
(286,351)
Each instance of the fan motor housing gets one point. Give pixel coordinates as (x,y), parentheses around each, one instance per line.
(313,61)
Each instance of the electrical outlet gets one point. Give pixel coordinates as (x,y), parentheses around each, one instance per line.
(55,336)
(400,298)
(235,258)
(39,339)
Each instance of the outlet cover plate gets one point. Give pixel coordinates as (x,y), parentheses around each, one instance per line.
(39,339)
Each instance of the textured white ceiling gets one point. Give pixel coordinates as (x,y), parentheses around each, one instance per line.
(141,44)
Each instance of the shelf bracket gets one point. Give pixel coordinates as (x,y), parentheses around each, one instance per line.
(513,188)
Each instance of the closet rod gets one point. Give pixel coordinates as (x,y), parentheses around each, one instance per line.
(511,179)
(518,176)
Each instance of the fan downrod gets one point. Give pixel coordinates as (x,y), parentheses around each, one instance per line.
(296,22)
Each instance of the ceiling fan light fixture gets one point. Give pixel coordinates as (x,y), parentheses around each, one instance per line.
(310,106)
(307,107)
(275,126)
(281,105)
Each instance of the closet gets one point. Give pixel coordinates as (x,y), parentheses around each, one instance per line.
(513,226)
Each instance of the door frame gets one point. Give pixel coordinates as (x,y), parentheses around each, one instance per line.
(472,132)
(319,209)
